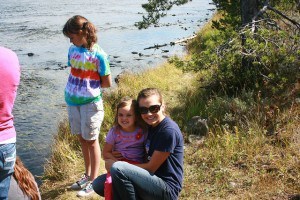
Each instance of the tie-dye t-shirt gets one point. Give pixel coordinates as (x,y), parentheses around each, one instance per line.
(84,83)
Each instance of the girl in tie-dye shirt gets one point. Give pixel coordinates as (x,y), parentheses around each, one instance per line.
(90,72)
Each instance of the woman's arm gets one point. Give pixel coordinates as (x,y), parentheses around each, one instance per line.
(157,159)
(106,81)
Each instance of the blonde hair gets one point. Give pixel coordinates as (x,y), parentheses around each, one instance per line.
(79,23)
(25,180)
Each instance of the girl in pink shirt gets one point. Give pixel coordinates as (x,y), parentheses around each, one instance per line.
(9,81)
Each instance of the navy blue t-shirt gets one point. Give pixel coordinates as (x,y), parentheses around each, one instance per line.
(167,137)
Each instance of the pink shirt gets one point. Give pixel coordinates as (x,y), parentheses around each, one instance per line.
(130,144)
(9,81)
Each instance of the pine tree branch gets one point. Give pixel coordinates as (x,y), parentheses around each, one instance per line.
(268,7)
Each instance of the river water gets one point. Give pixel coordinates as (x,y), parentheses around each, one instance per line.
(34,27)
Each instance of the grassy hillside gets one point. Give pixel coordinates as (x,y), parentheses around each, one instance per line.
(252,148)
(227,164)
(66,164)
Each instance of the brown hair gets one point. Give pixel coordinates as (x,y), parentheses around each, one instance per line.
(79,23)
(149,92)
(125,101)
(25,180)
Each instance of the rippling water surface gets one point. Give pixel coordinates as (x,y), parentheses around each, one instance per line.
(28,26)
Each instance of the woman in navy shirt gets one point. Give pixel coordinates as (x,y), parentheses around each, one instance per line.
(161,176)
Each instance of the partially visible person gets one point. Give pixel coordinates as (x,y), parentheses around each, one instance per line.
(127,136)
(9,81)
(159,178)
(90,72)
(23,185)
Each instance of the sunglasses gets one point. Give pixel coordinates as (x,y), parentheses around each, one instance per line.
(153,109)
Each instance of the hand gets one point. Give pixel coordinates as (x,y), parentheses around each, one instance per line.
(117,155)
(108,164)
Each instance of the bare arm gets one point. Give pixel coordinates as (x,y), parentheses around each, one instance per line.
(110,156)
(117,155)
(157,159)
(106,81)
(107,152)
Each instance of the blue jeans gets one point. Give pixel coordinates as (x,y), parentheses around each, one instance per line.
(131,182)
(7,162)
(98,184)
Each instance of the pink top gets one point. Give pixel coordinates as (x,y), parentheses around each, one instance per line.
(130,144)
(9,81)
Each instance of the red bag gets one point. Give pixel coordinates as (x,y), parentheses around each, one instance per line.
(108,187)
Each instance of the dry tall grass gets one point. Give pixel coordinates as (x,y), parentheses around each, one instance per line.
(66,163)
(239,161)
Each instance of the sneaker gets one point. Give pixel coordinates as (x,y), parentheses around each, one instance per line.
(86,191)
(81,183)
